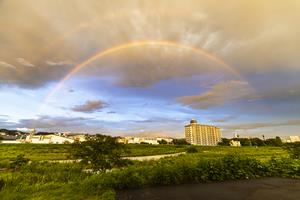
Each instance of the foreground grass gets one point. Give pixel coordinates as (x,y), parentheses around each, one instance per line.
(69,181)
(42,152)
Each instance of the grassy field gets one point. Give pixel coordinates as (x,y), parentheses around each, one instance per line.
(48,180)
(39,152)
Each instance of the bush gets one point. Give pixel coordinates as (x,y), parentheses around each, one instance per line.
(190,168)
(294,150)
(192,149)
(2,183)
(19,161)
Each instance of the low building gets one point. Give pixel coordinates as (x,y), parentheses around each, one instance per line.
(47,139)
(291,139)
(141,140)
(234,143)
(79,138)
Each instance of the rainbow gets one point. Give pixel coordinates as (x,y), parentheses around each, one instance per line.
(133,44)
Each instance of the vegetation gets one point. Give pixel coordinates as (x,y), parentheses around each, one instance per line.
(294,150)
(42,152)
(42,180)
(276,142)
(19,162)
(101,151)
(180,142)
(192,149)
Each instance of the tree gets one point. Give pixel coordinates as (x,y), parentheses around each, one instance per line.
(101,151)
(162,141)
(180,142)
(257,142)
(224,142)
(274,142)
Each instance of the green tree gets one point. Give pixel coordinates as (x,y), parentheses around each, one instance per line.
(180,142)
(101,151)
(274,142)
(162,141)
(224,142)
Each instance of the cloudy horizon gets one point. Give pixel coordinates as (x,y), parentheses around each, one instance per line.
(151,88)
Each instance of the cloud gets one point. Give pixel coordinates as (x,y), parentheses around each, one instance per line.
(250,126)
(90,106)
(7,65)
(266,41)
(220,94)
(59,63)
(24,62)
(223,119)
(48,122)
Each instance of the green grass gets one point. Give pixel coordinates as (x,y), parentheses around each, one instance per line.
(42,152)
(35,152)
(44,180)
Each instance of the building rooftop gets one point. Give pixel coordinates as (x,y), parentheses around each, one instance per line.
(193,121)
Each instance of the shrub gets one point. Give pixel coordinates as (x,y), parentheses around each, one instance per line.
(2,183)
(294,150)
(192,149)
(19,161)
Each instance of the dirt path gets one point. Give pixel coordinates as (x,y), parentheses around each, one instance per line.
(259,189)
(140,158)
(154,157)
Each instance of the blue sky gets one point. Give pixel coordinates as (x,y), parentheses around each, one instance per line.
(150,89)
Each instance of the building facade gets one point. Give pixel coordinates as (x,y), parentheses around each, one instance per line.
(199,134)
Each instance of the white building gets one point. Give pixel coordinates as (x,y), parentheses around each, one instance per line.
(47,139)
(139,140)
(291,139)
(234,143)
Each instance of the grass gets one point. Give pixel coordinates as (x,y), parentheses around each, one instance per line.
(42,152)
(44,180)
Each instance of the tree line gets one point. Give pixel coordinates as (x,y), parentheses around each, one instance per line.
(277,142)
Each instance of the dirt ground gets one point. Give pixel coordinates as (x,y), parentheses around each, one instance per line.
(265,189)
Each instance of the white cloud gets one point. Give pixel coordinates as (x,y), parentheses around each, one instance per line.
(7,65)
(24,62)
(59,63)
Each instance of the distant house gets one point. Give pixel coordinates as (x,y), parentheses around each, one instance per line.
(9,139)
(234,143)
(141,140)
(79,138)
(151,141)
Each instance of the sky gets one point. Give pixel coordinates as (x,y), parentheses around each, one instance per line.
(149,67)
